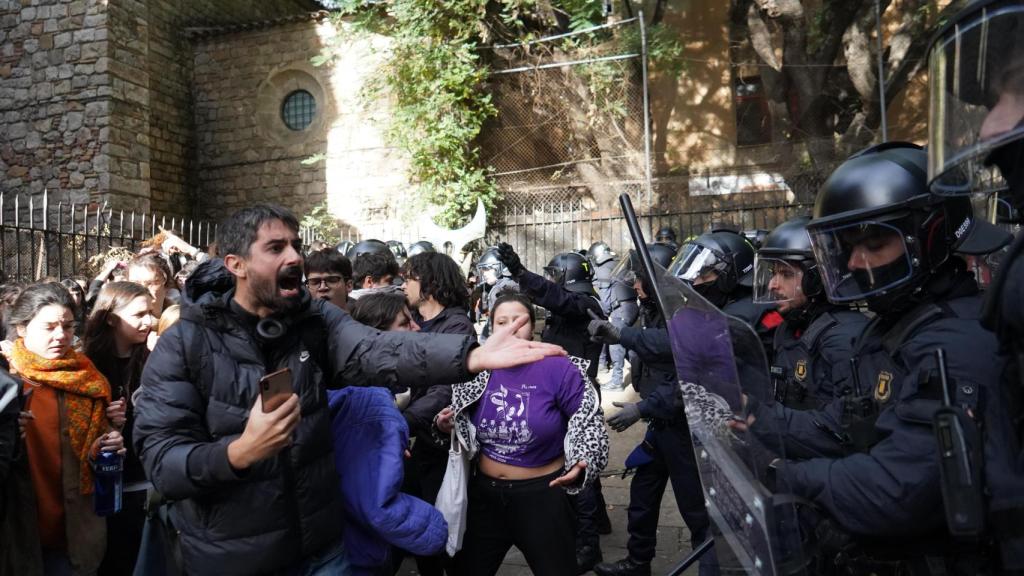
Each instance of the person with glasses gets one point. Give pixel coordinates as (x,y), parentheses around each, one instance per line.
(329,276)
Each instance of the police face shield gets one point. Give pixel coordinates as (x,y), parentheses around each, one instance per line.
(698,264)
(722,371)
(489,272)
(777,280)
(555,274)
(862,259)
(626,270)
(976,84)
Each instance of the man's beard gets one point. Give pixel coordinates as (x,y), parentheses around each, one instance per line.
(266,293)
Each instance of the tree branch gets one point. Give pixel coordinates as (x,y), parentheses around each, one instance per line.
(761,38)
(899,74)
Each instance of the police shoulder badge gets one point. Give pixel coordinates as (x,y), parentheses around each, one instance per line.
(883,389)
(801,369)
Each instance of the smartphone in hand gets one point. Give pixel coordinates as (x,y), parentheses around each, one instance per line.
(275,388)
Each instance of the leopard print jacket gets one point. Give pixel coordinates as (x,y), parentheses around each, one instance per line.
(585,441)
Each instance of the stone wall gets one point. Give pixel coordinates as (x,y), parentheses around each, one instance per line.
(54,98)
(246,154)
(95,96)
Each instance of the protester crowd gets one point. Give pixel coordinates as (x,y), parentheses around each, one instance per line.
(264,408)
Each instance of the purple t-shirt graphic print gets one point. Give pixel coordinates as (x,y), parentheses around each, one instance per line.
(523,415)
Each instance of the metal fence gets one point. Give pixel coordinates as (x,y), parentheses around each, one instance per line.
(39,240)
(539,231)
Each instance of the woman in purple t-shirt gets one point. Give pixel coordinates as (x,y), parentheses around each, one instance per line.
(536,432)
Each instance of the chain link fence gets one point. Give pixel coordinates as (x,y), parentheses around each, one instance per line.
(571,116)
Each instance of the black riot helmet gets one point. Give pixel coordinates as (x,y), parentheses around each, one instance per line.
(630,269)
(365,246)
(878,234)
(976,91)
(572,271)
(726,254)
(756,237)
(600,253)
(786,254)
(398,250)
(489,261)
(421,247)
(344,247)
(665,235)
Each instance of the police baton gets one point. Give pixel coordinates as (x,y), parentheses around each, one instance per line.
(641,247)
(692,557)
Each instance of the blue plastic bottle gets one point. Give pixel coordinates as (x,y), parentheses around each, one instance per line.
(107,482)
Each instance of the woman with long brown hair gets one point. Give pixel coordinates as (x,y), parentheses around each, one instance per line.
(66,428)
(115,340)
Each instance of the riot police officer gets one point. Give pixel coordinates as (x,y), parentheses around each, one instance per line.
(666,235)
(667,448)
(812,346)
(344,246)
(720,266)
(364,246)
(566,291)
(496,281)
(618,298)
(602,260)
(869,461)
(398,250)
(976,83)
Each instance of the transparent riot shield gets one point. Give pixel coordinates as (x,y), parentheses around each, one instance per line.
(719,361)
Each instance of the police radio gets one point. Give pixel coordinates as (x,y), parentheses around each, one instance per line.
(959,463)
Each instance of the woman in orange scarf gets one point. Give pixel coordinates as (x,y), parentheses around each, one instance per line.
(68,426)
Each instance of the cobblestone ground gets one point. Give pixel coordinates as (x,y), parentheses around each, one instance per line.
(673,537)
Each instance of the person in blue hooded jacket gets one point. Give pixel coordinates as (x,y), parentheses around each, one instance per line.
(370,438)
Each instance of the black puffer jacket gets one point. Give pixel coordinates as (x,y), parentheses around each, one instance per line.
(197,389)
(425,403)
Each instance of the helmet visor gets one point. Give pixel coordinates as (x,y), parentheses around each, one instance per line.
(777,280)
(976,84)
(555,274)
(860,260)
(696,263)
(626,270)
(489,272)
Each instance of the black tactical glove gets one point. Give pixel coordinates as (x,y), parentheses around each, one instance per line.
(602,330)
(507,255)
(626,417)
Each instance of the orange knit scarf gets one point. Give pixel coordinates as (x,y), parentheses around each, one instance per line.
(86,396)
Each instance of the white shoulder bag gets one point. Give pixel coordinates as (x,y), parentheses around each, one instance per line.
(453,499)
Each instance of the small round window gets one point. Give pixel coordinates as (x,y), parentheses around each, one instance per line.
(298,110)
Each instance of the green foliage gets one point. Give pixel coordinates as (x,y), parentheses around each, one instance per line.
(434,77)
(320,221)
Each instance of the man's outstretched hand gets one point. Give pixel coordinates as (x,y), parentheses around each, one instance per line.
(507,255)
(504,350)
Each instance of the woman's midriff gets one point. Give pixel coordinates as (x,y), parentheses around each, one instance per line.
(501,471)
